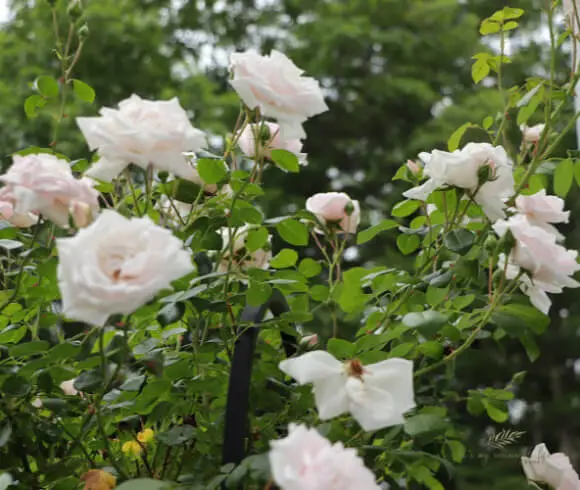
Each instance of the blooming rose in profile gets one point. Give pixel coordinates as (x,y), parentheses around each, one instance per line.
(531,134)
(304,460)
(268,139)
(376,395)
(242,258)
(20,220)
(335,208)
(541,210)
(142,132)
(551,469)
(116,265)
(42,183)
(548,264)
(463,168)
(275,85)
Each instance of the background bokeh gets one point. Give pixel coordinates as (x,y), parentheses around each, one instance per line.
(397,76)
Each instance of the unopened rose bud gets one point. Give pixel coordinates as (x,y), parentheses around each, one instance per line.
(83,32)
(413,167)
(349,208)
(75,9)
(309,340)
(485,173)
(490,244)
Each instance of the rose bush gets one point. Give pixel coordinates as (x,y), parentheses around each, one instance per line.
(129,303)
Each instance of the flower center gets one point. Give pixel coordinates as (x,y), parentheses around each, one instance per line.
(355,369)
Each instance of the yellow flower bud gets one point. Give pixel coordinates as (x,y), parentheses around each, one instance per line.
(131,448)
(145,436)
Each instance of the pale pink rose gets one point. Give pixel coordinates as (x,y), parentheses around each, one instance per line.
(20,220)
(462,169)
(115,265)
(548,264)
(243,259)
(304,460)
(413,167)
(554,470)
(68,387)
(267,142)
(376,395)
(142,132)
(36,403)
(42,183)
(332,207)
(541,210)
(275,85)
(531,134)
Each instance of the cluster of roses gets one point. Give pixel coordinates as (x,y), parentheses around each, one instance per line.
(114,264)
(484,173)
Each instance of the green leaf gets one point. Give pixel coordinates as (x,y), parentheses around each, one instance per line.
(293,232)
(489,26)
(211,170)
(177,435)
(47,86)
(341,349)
(530,346)
(496,410)
(563,177)
(171,313)
(33,103)
(431,349)
(258,293)
(455,138)
(528,315)
(404,208)
(408,243)
(83,91)
(16,386)
(89,381)
(459,240)
(529,104)
(285,258)
(309,267)
(256,239)
(8,244)
(28,348)
(401,350)
(457,450)
(577,172)
(368,234)
(429,322)
(423,423)
(285,160)
(435,295)
(143,484)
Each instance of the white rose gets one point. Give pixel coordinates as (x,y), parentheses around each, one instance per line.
(461,169)
(20,220)
(552,469)
(531,134)
(535,250)
(541,210)
(276,86)
(333,208)
(116,265)
(68,387)
(271,141)
(176,212)
(42,183)
(242,258)
(376,395)
(141,132)
(304,460)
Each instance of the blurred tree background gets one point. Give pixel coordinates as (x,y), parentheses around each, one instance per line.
(397,74)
